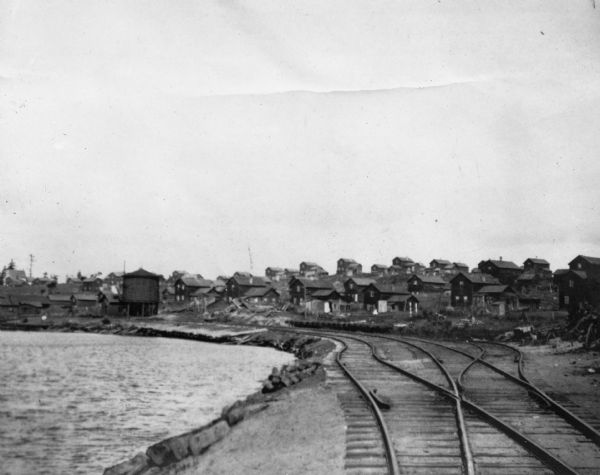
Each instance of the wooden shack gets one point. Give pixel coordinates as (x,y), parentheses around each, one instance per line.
(141,293)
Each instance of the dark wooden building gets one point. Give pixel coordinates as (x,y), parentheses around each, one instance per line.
(379,269)
(425,283)
(262,295)
(238,285)
(506,272)
(355,287)
(463,287)
(376,294)
(348,267)
(141,293)
(275,273)
(302,289)
(405,264)
(580,285)
(312,270)
(187,286)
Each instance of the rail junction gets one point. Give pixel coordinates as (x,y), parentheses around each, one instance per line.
(425,407)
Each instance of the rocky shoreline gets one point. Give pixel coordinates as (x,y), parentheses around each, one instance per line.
(308,350)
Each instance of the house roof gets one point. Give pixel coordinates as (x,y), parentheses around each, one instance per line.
(192,281)
(251,281)
(347,260)
(58,298)
(535,260)
(86,297)
(495,289)
(310,264)
(354,265)
(259,292)
(442,262)
(579,273)
(65,289)
(324,293)
(561,271)
(478,278)
(361,281)
(592,260)
(312,284)
(460,264)
(379,266)
(428,279)
(403,259)
(275,269)
(31,300)
(390,288)
(503,264)
(141,273)
(200,291)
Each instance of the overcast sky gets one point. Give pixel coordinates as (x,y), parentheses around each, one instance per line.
(176,135)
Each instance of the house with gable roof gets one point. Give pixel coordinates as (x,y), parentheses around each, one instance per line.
(506,272)
(580,284)
(464,286)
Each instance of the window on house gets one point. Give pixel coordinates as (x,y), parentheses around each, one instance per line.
(566,299)
(579,265)
(571,283)
(457,298)
(356,297)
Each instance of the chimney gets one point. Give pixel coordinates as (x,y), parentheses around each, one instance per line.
(500,258)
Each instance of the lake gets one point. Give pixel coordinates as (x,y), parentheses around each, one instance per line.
(79,402)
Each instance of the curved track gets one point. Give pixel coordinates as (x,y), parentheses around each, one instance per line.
(503,429)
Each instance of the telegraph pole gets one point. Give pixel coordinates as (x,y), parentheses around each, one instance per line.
(31,260)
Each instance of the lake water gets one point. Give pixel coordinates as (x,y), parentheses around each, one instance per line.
(78,402)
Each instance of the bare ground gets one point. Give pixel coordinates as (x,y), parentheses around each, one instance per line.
(566,371)
(302,432)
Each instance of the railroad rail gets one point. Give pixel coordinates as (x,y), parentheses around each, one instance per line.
(487,438)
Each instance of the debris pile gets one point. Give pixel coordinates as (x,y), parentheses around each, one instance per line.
(584,326)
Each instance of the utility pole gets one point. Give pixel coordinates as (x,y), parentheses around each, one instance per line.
(251,265)
(31,259)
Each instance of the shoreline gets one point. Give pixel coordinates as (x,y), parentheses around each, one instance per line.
(308,350)
(285,418)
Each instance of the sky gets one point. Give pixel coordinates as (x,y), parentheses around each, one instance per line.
(216,136)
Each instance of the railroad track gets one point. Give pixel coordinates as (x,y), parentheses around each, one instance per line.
(502,390)
(503,430)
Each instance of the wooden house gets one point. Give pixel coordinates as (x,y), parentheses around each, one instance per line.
(405,265)
(86,303)
(403,303)
(275,273)
(91,284)
(426,283)
(464,285)
(348,267)
(379,269)
(141,293)
(377,295)
(355,287)
(506,272)
(580,285)
(437,266)
(262,295)
(238,285)
(187,286)
(302,289)
(110,303)
(312,270)
(496,299)
(326,301)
